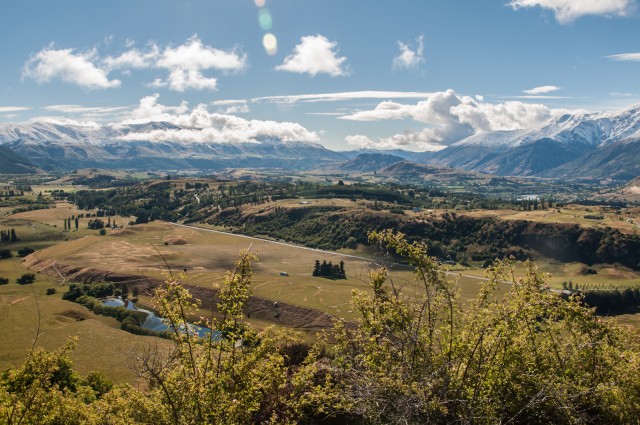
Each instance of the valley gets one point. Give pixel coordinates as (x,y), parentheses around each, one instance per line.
(200,224)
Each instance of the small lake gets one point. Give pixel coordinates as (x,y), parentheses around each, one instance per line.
(155,323)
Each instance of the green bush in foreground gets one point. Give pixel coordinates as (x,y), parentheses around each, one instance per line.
(520,356)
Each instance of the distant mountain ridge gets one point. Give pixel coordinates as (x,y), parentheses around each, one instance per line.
(581,145)
(56,146)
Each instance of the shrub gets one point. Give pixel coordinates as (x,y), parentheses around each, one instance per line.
(103,232)
(4,280)
(51,291)
(23,252)
(26,279)
(5,253)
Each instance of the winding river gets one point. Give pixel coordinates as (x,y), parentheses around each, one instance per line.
(153,322)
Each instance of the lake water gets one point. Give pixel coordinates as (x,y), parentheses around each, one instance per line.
(155,323)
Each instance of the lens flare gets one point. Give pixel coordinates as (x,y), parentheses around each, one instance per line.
(265,20)
(260,3)
(270,43)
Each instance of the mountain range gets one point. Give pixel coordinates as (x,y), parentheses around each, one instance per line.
(571,146)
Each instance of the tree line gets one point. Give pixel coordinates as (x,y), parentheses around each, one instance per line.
(329,270)
(8,236)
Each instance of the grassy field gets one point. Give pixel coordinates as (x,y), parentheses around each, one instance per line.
(45,227)
(208,255)
(627,222)
(607,276)
(101,345)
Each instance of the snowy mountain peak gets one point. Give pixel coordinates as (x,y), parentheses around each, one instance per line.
(580,128)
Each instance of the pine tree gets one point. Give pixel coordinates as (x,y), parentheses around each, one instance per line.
(14,237)
(316,269)
(76,223)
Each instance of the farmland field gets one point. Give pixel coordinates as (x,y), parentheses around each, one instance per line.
(101,345)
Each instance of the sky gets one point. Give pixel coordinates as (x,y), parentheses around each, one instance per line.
(410,74)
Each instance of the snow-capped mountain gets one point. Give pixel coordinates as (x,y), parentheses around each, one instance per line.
(581,145)
(57,146)
(544,150)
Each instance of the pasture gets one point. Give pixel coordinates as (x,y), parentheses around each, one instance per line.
(628,221)
(26,311)
(283,272)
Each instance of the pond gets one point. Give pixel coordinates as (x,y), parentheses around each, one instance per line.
(155,323)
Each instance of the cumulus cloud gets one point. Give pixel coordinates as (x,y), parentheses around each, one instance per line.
(67,65)
(187,61)
(451,118)
(408,58)
(630,57)
(133,58)
(199,125)
(242,108)
(410,140)
(566,11)
(542,90)
(315,54)
(186,65)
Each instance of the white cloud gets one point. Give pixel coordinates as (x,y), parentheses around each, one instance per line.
(187,61)
(315,54)
(542,90)
(361,142)
(13,109)
(226,102)
(408,140)
(535,96)
(631,57)
(451,117)
(133,58)
(342,96)
(79,109)
(185,64)
(235,109)
(409,59)
(618,94)
(68,66)
(232,106)
(567,11)
(203,126)
(65,121)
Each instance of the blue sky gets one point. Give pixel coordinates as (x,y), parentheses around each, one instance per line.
(418,74)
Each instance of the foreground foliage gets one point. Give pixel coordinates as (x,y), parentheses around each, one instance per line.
(416,355)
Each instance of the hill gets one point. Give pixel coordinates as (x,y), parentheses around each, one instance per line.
(12,163)
(363,163)
(584,145)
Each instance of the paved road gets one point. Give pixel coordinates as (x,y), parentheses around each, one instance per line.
(369,260)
